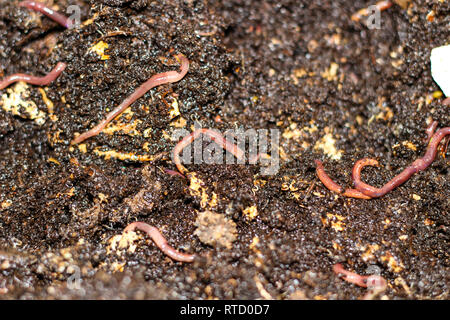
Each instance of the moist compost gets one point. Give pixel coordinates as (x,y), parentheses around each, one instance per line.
(336,90)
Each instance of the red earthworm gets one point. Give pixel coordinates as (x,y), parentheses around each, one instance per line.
(160,241)
(40,81)
(353,193)
(430,130)
(155,80)
(333,186)
(373,282)
(52,14)
(418,165)
(215,136)
(326,180)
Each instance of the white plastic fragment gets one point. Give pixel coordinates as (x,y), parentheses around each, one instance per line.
(440,68)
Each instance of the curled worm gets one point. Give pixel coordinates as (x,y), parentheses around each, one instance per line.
(333,186)
(418,165)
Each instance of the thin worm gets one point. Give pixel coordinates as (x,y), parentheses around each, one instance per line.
(333,186)
(155,80)
(52,14)
(40,81)
(215,136)
(350,276)
(372,282)
(430,130)
(160,241)
(418,165)
(353,193)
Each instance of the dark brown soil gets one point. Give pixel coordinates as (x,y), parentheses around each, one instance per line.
(303,67)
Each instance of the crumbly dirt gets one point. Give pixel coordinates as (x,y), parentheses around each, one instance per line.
(336,90)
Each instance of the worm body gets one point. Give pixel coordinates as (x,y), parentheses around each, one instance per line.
(333,186)
(350,276)
(374,283)
(418,165)
(40,81)
(430,130)
(52,14)
(353,193)
(160,241)
(325,178)
(155,80)
(215,136)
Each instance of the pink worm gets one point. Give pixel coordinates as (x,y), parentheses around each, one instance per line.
(418,165)
(371,282)
(155,80)
(52,14)
(160,241)
(215,136)
(333,186)
(430,130)
(40,81)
